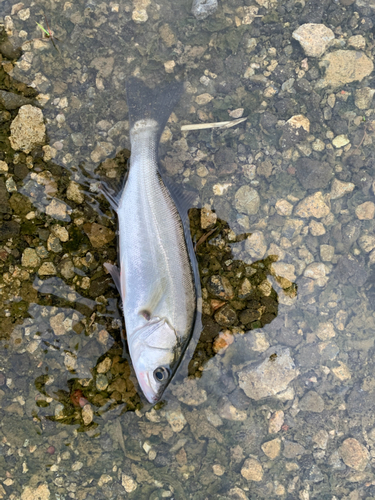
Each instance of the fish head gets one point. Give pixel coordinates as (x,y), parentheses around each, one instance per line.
(154,350)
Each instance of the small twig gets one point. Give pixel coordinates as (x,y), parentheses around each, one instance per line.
(203,238)
(201,126)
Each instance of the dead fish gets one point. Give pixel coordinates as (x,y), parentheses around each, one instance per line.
(158,277)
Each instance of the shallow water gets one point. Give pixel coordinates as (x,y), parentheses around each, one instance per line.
(277,400)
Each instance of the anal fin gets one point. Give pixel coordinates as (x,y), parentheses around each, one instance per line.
(114,271)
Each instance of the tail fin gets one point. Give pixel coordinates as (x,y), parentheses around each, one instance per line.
(156,104)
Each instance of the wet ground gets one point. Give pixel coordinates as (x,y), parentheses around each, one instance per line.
(278,398)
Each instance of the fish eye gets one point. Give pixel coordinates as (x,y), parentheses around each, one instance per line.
(161,374)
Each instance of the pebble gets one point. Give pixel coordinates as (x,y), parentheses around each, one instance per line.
(189,393)
(269,377)
(70,361)
(327,252)
(169,66)
(312,206)
(176,419)
(318,145)
(367,242)
(316,228)
(66,268)
(366,211)
(230,412)
(272,448)
(47,269)
(275,422)
(358,42)
(203,8)
(101,382)
(58,210)
(30,258)
(255,245)
(321,439)
(203,99)
(220,287)
(339,189)
(236,113)
(283,207)
(313,174)
(208,217)
(104,479)
(60,232)
(312,401)
(104,366)
(77,466)
(292,449)
(87,414)
(27,129)
(128,483)
(3,166)
(99,235)
(53,244)
(342,371)
(258,341)
(325,331)
(40,493)
(12,101)
(252,470)
(345,66)
(354,454)
(226,316)
(316,270)
(284,270)
(218,470)
(247,200)
(363,97)
(102,151)
(74,193)
(314,38)
(57,323)
(167,35)
(222,341)
(139,16)
(340,141)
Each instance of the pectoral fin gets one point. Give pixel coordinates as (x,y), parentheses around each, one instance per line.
(115,273)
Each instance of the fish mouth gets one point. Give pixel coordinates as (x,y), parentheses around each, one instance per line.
(146,386)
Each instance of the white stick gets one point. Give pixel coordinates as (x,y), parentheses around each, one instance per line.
(201,126)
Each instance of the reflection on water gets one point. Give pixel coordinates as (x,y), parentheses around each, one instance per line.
(276,399)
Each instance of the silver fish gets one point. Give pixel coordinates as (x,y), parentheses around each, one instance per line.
(158,278)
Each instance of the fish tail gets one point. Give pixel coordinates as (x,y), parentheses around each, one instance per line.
(154,104)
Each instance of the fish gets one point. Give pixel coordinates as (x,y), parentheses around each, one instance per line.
(158,276)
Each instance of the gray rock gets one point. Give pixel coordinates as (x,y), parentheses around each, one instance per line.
(292,450)
(269,377)
(226,316)
(8,51)
(9,229)
(350,233)
(312,402)
(12,101)
(225,161)
(313,174)
(352,271)
(220,287)
(247,200)
(203,8)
